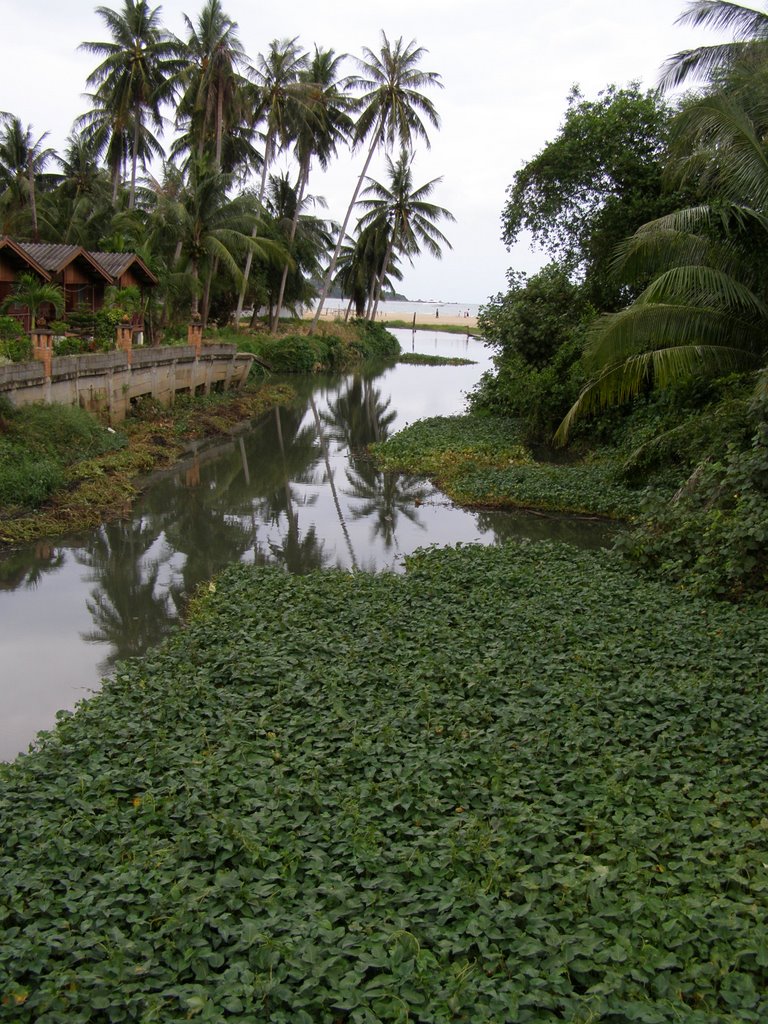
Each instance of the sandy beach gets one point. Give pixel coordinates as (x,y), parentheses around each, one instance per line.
(424,319)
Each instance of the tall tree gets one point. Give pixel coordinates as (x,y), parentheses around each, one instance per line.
(407,217)
(134,77)
(323,123)
(595,183)
(22,164)
(750,42)
(214,82)
(279,90)
(392,110)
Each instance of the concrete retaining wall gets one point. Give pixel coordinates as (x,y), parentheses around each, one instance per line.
(105,382)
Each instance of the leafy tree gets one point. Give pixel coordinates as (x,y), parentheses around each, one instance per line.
(392,110)
(215,89)
(705,311)
(594,184)
(279,91)
(35,295)
(750,43)
(132,80)
(323,123)
(22,164)
(405,215)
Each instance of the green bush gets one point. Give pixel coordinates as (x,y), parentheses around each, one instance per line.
(15,343)
(26,478)
(713,536)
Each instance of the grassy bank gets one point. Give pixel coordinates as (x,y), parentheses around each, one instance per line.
(407,325)
(61,470)
(514,784)
(483,462)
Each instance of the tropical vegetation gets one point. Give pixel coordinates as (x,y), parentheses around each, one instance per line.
(202,204)
(654,308)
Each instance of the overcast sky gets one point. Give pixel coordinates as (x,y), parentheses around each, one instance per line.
(507,67)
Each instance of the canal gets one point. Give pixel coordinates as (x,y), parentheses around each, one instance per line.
(294,489)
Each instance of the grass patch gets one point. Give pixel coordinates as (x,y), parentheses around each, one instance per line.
(481,461)
(516,784)
(418,359)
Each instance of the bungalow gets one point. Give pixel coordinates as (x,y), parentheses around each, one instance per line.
(83,276)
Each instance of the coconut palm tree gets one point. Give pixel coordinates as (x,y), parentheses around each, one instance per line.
(217,230)
(323,124)
(748,26)
(214,82)
(135,76)
(406,216)
(279,91)
(22,164)
(393,110)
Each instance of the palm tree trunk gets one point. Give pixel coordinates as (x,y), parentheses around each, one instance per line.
(207,292)
(383,275)
(249,258)
(134,162)
(302,184)
(342,233)
(219,124)
(32,197)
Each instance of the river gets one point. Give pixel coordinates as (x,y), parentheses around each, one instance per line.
(294,489)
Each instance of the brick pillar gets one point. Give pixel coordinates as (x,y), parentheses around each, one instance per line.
(124,340)
(42,347)
(195,335)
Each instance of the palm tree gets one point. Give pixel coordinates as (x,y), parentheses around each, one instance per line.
(392,110)
(750,30)
(22,163)
(214,80)
(217,229)
(323,124)
(35,295)
(133,79)
(279,90)
(406,216)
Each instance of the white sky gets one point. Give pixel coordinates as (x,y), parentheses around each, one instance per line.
(507,67)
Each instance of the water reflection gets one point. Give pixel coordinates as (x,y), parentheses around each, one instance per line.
(294,490)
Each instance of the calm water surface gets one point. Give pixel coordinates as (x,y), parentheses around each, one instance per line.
(294,489)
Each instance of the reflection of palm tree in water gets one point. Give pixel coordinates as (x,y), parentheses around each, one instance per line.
(128,609)
(385,497)
(26,567)
(358,416)
(329,476)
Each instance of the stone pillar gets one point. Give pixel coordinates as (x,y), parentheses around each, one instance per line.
(124,339)
(195,335)
(42,348)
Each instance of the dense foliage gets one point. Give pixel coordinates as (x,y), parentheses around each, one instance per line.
(514,784)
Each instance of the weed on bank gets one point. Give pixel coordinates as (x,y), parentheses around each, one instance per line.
(514,784)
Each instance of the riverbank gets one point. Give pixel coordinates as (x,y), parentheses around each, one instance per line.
(96,489)
(515,783)
(426,319)
(78,486)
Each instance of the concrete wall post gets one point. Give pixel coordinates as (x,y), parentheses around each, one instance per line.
(42,348)
(195,335)
(124,340)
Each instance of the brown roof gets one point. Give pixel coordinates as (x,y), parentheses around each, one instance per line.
(117,263)
(54,256)
(25,257)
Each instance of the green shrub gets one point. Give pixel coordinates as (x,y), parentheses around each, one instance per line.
(713,536)
(26,479)
(15,343)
